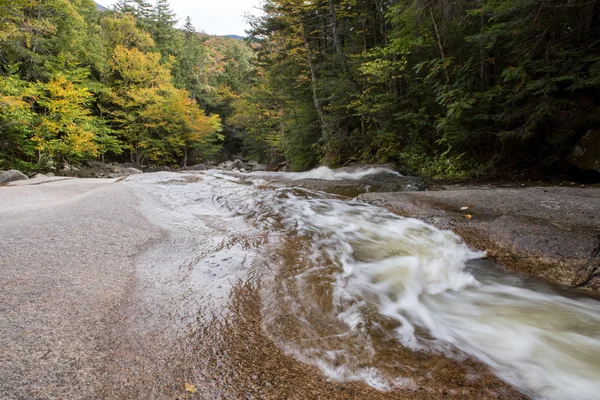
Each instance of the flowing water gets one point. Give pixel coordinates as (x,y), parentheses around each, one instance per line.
(349,287)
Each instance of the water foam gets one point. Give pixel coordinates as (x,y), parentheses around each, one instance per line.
(545,344)
(328,174)
(364,267)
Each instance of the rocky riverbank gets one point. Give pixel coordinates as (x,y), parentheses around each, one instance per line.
(546,231)
(553,232)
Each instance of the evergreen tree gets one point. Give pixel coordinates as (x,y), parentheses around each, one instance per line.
(126,7)
(188,28)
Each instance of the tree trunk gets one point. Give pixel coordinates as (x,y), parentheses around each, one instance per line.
(313,79)
(440,44)
(382,27)
(483,70)
(334,29)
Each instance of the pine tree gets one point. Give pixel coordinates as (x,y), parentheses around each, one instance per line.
(144,10)
(163,15)
(188,28)
(126,7)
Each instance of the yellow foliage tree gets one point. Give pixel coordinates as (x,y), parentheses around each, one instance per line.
(65,127)
(157,120)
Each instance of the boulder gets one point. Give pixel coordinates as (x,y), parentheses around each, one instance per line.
(12,175)
(96,164)
(228,165)
(49,174)
(157,168)
(36,176)
(259,167)
(133,165)
(231,165)
(198,167)
(72,173)
(115,168)
(586,153)
(238,164)
(89,173)
(131,171)
(277,166)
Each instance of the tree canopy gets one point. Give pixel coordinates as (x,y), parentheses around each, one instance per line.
(445,88)
(451,88)
(78,84)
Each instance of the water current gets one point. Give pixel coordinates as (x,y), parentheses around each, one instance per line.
(345,284)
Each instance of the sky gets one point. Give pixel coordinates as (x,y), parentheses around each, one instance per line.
(215,17)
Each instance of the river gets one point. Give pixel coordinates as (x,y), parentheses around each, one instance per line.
(353,290)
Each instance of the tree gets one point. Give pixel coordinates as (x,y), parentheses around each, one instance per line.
(16,120)
(65,129)
(158,121)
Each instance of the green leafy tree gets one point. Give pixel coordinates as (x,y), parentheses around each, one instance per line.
(65,128)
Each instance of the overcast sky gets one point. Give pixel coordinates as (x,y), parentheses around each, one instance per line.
(216,17)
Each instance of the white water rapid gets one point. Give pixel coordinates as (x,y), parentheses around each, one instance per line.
(359,281)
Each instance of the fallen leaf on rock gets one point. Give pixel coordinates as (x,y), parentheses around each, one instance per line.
(468,216)
(190,388)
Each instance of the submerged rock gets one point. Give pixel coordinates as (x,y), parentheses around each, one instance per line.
(12,175)
(545,231)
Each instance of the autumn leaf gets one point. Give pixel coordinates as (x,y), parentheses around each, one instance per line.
(468,216)
(190,388)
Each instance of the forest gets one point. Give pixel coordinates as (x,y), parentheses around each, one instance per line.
(77,84)
(445,89)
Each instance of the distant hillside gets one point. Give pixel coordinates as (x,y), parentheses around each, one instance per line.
(101,8)
(236,37)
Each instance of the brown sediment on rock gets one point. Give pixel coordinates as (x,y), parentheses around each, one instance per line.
(233,357)
(553,232)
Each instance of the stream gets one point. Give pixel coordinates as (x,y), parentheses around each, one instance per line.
(351,288)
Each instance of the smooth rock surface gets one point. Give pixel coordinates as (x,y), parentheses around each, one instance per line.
(67,251)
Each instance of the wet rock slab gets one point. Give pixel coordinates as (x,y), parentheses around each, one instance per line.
(552,232)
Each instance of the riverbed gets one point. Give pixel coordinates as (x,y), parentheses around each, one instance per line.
(363,295)
(231,285)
